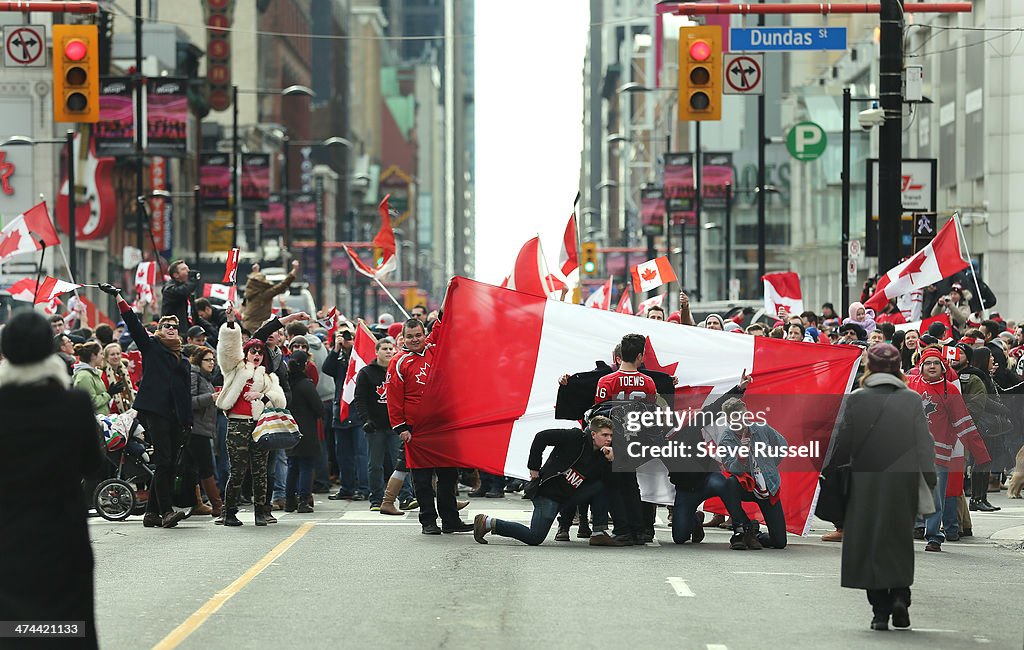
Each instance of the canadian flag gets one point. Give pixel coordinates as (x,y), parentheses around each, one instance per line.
(25,231)
(938,260)
(363,354)
(531,271)
(782,290)
(507,393)
(601,298)
(910,305)
(569,257)
(653,301)
(145,274)
(922,325)
(625,304)
(383,243)
(50,288)
(25,290)
(231,267)
(652,274)
(228,292)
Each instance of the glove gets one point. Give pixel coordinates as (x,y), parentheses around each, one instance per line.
(110,289)
(115,388)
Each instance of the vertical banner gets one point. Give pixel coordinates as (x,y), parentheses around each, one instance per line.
(166,117)
(218,15)
(215,180)
(256,180)
(716,173)
(678,186)
(652,211)
(159,207)
(114,134)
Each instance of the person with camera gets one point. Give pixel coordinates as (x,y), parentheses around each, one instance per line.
(955,305)
(178,294)
(164,404)
(578,470)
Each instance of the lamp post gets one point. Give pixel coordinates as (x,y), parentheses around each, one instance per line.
(290,91)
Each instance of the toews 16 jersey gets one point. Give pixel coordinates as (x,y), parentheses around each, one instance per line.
(623,385)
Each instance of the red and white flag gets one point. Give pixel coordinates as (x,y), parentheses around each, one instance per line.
(601,298)
(228,292)
(653,301)
(569,256)
(383,244)
(531,271)
(922,325)
(332,319)
(782,290)
(25,231)
(50,288)
(652,274)
(145,274)
(625,304)
(231,267)
(364,353)
(506,394)
(943,257)
(25,291)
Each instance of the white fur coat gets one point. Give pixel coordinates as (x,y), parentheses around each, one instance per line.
(237,374)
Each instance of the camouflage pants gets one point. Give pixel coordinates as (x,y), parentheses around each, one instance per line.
(243,453)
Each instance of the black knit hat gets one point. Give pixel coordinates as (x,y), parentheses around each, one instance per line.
(884,358)
(27,338)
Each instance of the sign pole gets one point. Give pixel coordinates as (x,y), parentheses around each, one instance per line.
(845,212)
(72,226)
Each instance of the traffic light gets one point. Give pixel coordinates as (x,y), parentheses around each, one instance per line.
(700,73)
(76,74)
(588,258)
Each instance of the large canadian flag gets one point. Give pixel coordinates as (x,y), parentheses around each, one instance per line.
(652,274)
(25,231)
(782,290)
(943,257)
(364,353)
(488,398)
(601,298)
(384,243)
(530,274)
(922,325)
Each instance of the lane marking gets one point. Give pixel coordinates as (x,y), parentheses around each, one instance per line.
(681,588)
(717,646)
(211,606)
(780,573)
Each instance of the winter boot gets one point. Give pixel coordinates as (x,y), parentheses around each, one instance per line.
(200,507)
(304,506)
(387,506)
(563,533)
(291,503)
(260,515)
(213,494)
(584,531)
(231,517)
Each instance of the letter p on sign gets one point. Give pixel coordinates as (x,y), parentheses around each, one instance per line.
(806,141)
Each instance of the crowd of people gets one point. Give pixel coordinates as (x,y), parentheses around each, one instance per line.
(198,377)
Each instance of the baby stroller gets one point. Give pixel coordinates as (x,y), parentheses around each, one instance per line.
(127,492)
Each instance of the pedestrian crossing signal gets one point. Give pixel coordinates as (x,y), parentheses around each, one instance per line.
(76,78)
(588,258)
(700,73)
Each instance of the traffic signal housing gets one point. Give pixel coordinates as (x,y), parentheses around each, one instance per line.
(588,258)
(76,73)
(700,73)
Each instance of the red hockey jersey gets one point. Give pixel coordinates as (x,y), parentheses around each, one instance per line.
(949,422)
(624,385)
(407,377)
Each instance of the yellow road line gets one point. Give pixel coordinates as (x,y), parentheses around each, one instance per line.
(211,606)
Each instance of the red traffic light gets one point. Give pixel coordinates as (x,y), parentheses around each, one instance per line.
(700,50)
(75,49)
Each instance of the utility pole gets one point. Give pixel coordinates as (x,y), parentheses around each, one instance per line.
(890,141)
(698,167)
(762,197)
(140,124)
(844,282)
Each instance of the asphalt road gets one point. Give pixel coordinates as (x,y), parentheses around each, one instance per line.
(345,577)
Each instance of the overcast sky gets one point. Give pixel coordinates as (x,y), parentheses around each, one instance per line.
(529,128)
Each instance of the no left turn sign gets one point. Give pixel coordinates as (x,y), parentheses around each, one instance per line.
(25,46)
(743,74)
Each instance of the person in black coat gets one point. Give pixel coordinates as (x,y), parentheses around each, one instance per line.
(307,409)
(49,442)
(164,403)
(177,294)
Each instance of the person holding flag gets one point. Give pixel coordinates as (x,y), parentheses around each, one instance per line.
(179,293)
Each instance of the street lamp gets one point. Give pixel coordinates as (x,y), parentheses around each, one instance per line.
(291,91)
(69,140)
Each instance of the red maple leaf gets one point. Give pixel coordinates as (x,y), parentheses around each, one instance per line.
(913,266)
(10,243)
(648,274)
(382,390)
(687,397)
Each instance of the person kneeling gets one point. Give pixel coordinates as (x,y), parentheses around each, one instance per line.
(576,472)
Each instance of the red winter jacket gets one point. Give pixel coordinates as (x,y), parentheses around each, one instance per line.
(949,422)
(406,379)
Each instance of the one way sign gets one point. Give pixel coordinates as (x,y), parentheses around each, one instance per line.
(743,74)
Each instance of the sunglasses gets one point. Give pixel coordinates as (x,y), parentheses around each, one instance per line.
(168,326)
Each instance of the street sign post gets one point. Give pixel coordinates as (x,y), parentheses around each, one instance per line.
(743,74)
(25,46)
(786,39)
(806,141)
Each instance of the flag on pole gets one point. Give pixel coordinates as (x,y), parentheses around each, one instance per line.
(227,292)
(383,243)
(50,288)
(653,301)
(492,424)
(601,298)
(333,318)
(231,268)
(363,354)
(922,325)
(652,274)
(782,290)
(568,257)
(942,257)
(25,231)
(530,274)
(625,304)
